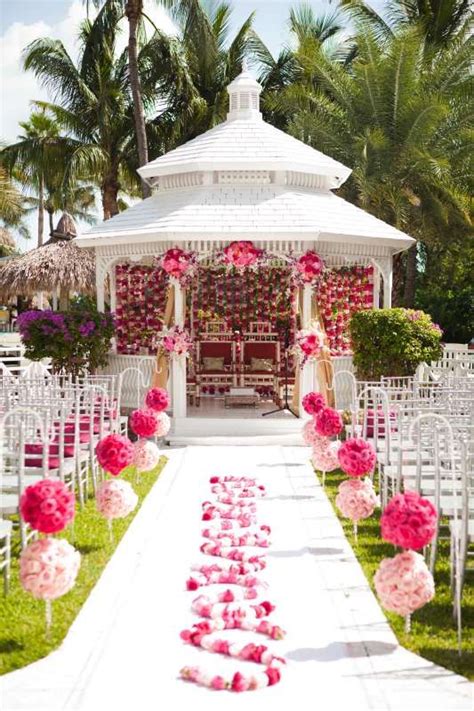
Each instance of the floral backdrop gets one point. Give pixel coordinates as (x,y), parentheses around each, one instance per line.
(342,292)
(238,298)
(242,297)
(141,302)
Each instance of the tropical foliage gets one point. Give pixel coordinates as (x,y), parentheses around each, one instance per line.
(388,94)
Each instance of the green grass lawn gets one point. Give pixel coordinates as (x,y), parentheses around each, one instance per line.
(22,618)
(433,632)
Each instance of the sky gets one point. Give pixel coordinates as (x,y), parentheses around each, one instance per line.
(22,21)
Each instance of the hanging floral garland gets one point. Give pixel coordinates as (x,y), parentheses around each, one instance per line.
(175,341)
(180,266)
(308,344)
(242,255)
(307,269)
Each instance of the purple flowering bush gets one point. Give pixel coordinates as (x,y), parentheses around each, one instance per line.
(76,341)
(393,342)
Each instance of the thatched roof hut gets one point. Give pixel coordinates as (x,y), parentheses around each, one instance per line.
(58,266)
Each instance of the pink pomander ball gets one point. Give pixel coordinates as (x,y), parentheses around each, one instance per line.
(157,399)
(409,521)
(404,583)
(146,455)
(48,568)
(325,458)
(357,457)
(116,498)
(313,403)
(328,422)
(356,499)
(312,438)
(47,506)
(163,424)
(114,453)
(143,422)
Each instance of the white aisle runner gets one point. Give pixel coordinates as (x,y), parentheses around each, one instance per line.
(124,651)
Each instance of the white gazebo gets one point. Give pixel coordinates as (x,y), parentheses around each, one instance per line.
(243,180)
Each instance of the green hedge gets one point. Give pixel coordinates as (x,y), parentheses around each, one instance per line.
(393,342)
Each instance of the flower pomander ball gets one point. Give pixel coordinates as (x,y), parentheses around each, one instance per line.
(357,457)
(143,422)
(47,506)
(163,424)
(313,403)
(312,438)
(114,453)
(328,422)
(409,521)
(325,458)
(404,583)
(116,498)
(146,455)
(49,567)
(157,399)
(356,499)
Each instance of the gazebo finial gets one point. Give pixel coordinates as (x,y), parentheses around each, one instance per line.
(244,94)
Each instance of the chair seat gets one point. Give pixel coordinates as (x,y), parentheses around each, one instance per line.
(53,449)
(5,528)
(10,481)
(35,466)
(9,503)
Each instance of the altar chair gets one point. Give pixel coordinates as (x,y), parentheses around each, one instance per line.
(260,362)
(215,364)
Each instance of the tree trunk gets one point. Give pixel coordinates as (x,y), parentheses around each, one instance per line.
(398,279)
(51,224)
(410,279)
(133,10)
(109,196)
(40,210)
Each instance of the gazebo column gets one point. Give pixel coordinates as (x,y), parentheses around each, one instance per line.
(308,371)
(376,302)
(387,285)
(113,298)
(99,286)
(178,365)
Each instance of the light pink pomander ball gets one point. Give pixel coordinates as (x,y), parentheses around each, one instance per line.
(312,438)
(404,583)
(356,499)
(146,455)
(163,424)
(49,567)
(116,498)
(324,457)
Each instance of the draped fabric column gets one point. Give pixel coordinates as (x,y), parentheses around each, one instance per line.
(324,364)
(295,402)
(161,373)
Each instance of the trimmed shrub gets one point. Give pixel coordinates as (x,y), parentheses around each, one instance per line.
(393,342)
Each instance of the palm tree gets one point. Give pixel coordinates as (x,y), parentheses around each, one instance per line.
(190,72)
(93,104)
(404,131)
(13,203)
(37,153)
(308,33)
(439,20)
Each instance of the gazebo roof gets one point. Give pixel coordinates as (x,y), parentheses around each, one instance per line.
(242,144)
(218,211)
(245,178)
